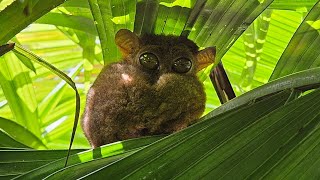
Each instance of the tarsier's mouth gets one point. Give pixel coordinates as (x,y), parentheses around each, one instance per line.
(144,131)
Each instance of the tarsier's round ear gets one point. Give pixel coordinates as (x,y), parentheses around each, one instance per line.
(126,41)
(205,57)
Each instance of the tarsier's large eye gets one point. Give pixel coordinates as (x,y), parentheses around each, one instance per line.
(182,65)
(149,61)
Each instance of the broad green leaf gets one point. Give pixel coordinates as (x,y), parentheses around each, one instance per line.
(80,170)
(13,18)
(302,162)
(17,86)
(249,150)
(304,45)
(110,150)
(230,151)
(7,177)
(21,134)
(17,162)
(7,141)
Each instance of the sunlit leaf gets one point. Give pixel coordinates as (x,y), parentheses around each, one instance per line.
(17,86)
(21,134)
(254,39)
(270,132)
(303,45)
(111,150)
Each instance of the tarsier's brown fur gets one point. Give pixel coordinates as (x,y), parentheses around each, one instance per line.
(128,101)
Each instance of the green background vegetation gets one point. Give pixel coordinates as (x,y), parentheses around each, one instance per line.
(270,50)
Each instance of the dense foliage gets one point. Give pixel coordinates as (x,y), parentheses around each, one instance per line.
(270,50)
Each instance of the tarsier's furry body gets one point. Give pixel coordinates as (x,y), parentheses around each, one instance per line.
(153,90)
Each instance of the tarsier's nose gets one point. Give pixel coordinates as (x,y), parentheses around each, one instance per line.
(153,77)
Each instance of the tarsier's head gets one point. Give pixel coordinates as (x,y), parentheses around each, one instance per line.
(165,54)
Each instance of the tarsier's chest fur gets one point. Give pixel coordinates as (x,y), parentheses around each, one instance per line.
(128,100)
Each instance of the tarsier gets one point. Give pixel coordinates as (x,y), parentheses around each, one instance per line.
(152,90)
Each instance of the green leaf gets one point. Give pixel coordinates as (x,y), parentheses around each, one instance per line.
(250,150)
(101,11)
(17,86)
(13,18)
(146,18)
(304,45)
(27,62)
(110,150)
(21,134)
(7,141)
(265,133)
(171,20)
(80,170)
(302,161)
(76,3)
(194,15)
(17,162)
